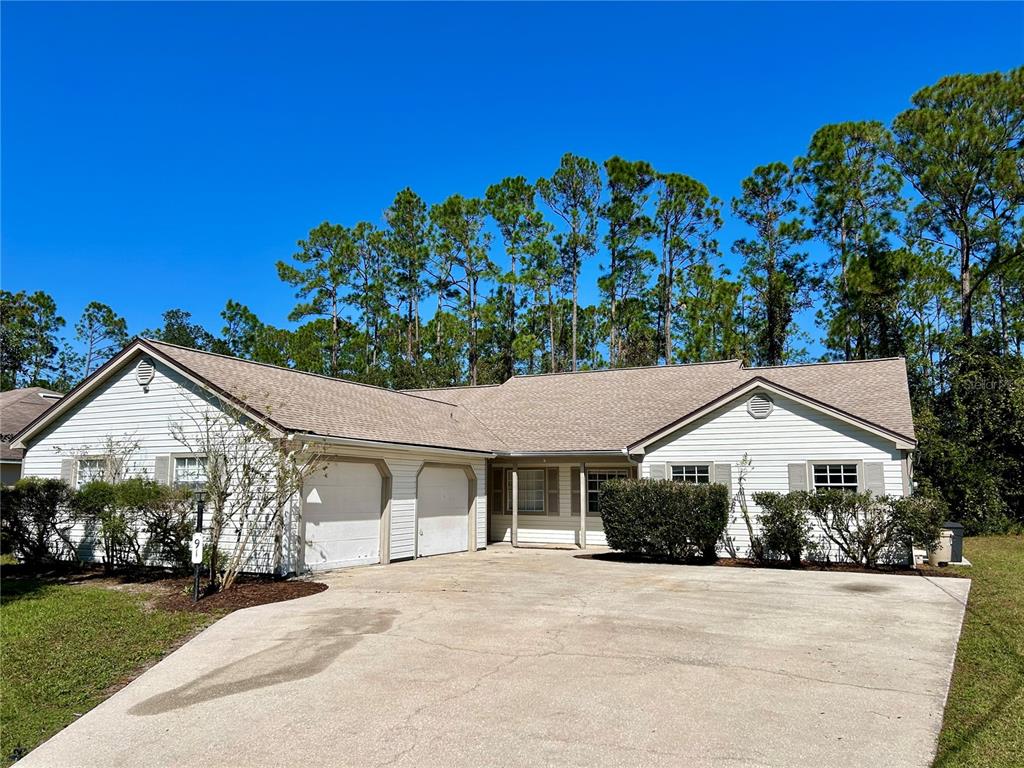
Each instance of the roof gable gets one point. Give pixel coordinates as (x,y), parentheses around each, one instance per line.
(760,384)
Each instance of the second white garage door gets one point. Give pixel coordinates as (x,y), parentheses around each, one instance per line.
(442,511)
(341,507)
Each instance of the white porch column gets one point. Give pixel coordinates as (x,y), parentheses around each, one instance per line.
(583,506)
(515,506)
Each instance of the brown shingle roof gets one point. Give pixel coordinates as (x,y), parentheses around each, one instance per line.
(18,408)
(608,410)
(583,411)
(564,412)
(306,402)
(596,410)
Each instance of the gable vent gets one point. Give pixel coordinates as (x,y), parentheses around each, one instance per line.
(144,371)
(759,406)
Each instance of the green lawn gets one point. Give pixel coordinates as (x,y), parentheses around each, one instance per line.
(64,646)
(984,723)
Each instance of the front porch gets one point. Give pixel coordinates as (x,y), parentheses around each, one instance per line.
(551,499)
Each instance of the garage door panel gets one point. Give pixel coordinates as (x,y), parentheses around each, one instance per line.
(341,508)
(442,511)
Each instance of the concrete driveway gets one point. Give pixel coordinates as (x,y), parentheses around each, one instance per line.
(539,657)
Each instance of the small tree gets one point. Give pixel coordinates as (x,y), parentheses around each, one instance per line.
(117,453)
(743,471)
(251,478)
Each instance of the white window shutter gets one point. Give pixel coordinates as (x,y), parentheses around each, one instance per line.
(67,471)
(874,478)
(798,477)
(162,470)
(574,485)
(552,491)
(657,470)
(723,476)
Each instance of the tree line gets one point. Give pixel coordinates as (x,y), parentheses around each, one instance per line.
(907,238)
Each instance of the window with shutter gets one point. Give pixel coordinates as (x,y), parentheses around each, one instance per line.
(692,473)
(90,470)
(841,477)
(531,492)
(596,478)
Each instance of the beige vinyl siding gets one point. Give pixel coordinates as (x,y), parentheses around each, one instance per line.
(793,432)
(122,410)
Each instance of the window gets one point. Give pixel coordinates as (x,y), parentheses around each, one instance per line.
(531,491)
(841,477)
(90,470)
(190,470)
(692,473)
(597,478)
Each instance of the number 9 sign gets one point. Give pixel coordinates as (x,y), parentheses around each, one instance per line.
(196,546)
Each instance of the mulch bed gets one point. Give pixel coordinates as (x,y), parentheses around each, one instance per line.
(740,562)
(170,592)
(244,594)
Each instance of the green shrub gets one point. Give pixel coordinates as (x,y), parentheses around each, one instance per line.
(96,503)
(664,519)
(37,520)
(786,531)
(868,528)
(919,518)
(138,521)
(169,519)
(705,516)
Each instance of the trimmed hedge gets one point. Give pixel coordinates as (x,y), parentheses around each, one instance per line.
(664,519)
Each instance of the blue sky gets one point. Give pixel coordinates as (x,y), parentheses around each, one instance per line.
(167,155)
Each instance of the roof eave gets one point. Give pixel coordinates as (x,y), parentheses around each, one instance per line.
(312,437)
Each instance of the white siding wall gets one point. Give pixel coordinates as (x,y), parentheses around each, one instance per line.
(121,410)
(404,467)
(792,433)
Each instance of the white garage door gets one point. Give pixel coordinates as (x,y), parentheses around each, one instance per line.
(341,508)
(442,510)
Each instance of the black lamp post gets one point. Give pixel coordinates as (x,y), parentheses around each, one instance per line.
(200,502)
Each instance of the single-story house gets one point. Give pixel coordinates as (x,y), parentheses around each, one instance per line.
(433,471)
(18,409)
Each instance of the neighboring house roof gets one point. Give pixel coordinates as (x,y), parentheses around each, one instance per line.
(18,409)
(586,411)
(610,409)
